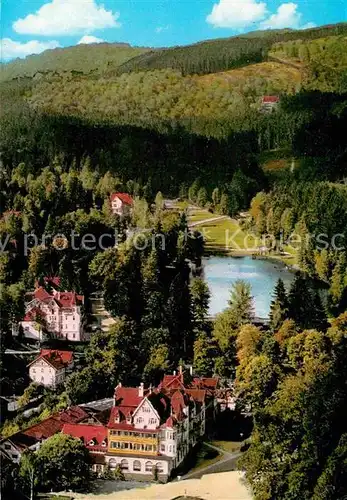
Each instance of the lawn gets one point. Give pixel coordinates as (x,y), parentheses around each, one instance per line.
(206,456)
(200,214)
(225,235)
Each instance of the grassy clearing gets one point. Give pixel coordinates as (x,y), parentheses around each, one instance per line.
(205,457)
(200,214)
(278,76)
(225,235)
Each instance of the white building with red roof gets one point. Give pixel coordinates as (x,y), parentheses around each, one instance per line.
(54,314)
(121,204)
(33,437)
(269,103)
(51,367)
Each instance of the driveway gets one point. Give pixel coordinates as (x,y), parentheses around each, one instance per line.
(226,463)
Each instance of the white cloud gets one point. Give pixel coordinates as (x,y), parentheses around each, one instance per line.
(90,39)
(160,29)
(67,17)
(236,13)
(287,16)
(11,49)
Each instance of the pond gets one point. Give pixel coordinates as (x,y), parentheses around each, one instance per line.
(221,272)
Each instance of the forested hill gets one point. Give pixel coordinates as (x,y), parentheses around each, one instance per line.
(200,58)
(84,59)
(225,53)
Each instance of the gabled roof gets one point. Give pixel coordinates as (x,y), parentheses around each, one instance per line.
(88,433)
(124,197)
(42,295)
(62,299)
(57,359)
(173,381)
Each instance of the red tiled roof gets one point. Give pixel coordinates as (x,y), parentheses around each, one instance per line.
(58,359)
(34,314)
(68,299)
(97,433)
(124,197)
(205,382)
(63,299)
(270,99)
(46,428)
(42,294)
(128,396)
(173,381)
(197,394)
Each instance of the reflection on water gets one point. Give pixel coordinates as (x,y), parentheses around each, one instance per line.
(221,272)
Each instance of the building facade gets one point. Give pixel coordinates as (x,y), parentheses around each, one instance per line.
(121,204)
(51,367)
(53,314)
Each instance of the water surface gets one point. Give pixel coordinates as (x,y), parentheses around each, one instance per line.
(221,272)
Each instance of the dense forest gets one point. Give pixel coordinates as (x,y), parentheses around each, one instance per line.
(80,123)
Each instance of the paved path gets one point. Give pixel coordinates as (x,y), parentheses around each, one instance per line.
(226,463)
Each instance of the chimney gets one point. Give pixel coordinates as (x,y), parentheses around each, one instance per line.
(150,389)
(174,372)
(180,369)
(141,390)
(191,370)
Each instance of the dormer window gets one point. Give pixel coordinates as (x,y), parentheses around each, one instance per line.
(116,418)
(103,444)
(129,419)
(91,442)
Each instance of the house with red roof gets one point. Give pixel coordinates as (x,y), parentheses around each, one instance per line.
(51,367)
(269,103)
(121,204)
(151,430)
(94,438)
(54,313)
(33,437)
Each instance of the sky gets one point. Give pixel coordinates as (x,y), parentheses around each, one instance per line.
(31,26)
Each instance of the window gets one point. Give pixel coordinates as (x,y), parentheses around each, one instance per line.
(7,446)
(124,465)
(136,466)
(159,467)
(139,420)
(33,370)
(91,442)
(42,370)
(162,447)
(152,420)
(146,409)
(73,335)
(148,466)
(112,463)
(103,443)
(170,448)
(14,455)
(42,379)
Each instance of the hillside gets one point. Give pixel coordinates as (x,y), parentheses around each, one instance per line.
(85,59)
(225,53)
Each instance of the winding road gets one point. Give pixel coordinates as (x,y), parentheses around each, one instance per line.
(226,463)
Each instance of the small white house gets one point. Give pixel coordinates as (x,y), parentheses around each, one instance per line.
(50,367)
(121,204)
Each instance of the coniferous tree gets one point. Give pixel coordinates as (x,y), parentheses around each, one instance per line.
(279,306)
(241,302)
